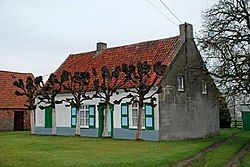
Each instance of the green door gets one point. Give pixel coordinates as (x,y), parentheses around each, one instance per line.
(246,120)
(101,108)
(48,117)
(100,115)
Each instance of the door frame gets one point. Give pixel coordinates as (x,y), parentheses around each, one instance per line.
(101,108)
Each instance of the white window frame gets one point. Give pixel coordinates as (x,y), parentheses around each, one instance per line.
(84,116)
(204,87)
(180,83)
(131,108)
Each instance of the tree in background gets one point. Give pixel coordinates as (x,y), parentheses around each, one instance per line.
(225,42)
(105,86)
(76,84)
(225,117)
(140,79)
(29,90)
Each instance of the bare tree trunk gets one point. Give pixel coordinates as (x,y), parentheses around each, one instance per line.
(53,121)
(105,128)
(139,123)
(78,133)
(32,121)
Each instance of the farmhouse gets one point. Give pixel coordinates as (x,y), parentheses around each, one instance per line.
(13,114)
(187,108)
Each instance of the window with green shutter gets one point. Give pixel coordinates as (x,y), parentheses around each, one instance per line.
(149,117)
(73,117)
(124,115)
(92,116)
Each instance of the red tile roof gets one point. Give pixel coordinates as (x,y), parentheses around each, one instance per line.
(8,99)
(150,51)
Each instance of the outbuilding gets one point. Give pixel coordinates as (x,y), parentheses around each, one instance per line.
(245,112)
(13,114)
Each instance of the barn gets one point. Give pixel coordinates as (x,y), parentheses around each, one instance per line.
(13,114)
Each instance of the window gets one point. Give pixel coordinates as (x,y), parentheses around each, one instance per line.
(87,116)
(204,87)
(124,115)
(84,116)
(180,80)
(73,117)
(134,115)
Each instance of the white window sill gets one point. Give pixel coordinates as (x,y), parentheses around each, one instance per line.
(84,127)
(135,127)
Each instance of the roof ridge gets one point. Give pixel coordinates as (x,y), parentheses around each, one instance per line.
(137,43)
(16,72)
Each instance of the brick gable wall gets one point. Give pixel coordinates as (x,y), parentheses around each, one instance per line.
(7,119)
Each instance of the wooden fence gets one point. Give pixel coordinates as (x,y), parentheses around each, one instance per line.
(236,124)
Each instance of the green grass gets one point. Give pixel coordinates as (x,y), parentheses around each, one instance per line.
(224,153)
(246,160)
(23,149)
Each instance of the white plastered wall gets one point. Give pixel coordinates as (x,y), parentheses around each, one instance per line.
(63,114)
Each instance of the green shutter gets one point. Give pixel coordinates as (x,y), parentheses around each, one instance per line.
(149,117)
(111,107)
(48,117)
(124,115)
(91,116)
(73,117)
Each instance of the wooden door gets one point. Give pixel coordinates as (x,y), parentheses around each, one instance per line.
(101,117)
(48,117)
(246,120)
(18,120)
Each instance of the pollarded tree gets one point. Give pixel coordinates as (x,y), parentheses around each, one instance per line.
(225,42)
(140,79)
(105,87)
(47,95)
(29,90)
(76,84)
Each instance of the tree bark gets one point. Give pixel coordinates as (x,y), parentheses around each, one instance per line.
(139,123)
(32,121)
(53,121)
(78,122)
(105,128)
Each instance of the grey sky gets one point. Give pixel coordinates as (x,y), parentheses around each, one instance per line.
(37,35)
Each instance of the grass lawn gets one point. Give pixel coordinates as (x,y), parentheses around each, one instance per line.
(224,153)
(23,149)
(246,160)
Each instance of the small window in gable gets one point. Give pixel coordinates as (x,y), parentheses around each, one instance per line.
(180,80)
(204,87)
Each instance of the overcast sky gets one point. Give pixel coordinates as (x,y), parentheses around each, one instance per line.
(37,35)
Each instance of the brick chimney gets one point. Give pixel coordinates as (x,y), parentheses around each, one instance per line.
(100,47)
(186,31)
